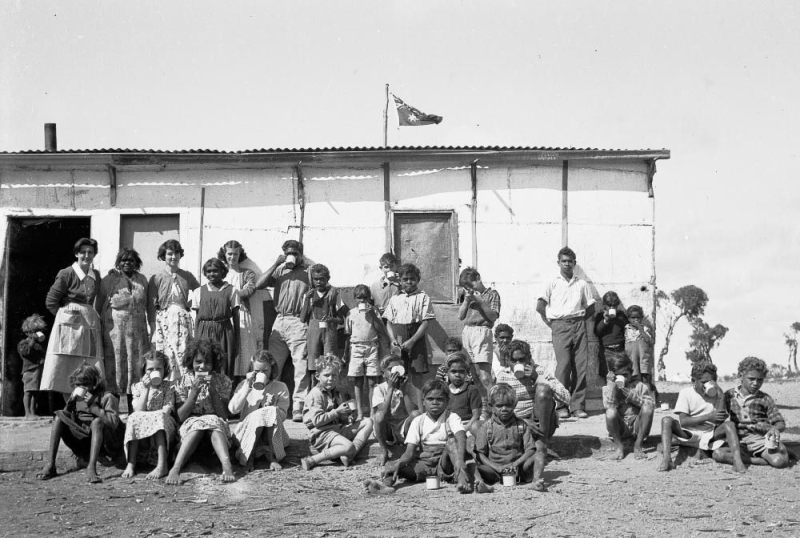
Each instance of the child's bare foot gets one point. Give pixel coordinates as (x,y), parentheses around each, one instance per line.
(739,467)
(307,464)
(155,474)
(173,478)
(275,466)
(80,463)
(130,470)
(483,487)
(638,453)
(666,464)
(227,472)
(619,452)
(538,485)
(250,465)
(93,478)
(31,416)
(383,455)
(464,485)
(47,472)
(345,461)
(375,487)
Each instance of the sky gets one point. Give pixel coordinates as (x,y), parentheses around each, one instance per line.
(717,83)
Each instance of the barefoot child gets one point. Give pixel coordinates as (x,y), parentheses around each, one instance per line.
(464,399)
(262,402)
(203,398)
(88,424)
(324,311)
(395,403)
(758,422)
(215,303)
(639,345)
(366,331)
(504,442)
(435,444)
(333,431)
(629,406)
(702,420)
(151,424)
(32,353)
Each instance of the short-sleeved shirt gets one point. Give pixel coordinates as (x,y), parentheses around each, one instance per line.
(158,397)
(746,412)
(639,395)
(397,410)
(290,285)
(694,405)
(409,308)
(525,389)
(464,401)
(359,327)
(382,292)
(491,299)
(567,298)
(424,429)
(507,444)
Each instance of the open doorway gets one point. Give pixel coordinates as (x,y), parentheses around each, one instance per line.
(36,249)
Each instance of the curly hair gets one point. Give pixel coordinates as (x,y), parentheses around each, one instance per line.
(231,244)
(83,242)
(129,254)
(363,291)
(458,356)
(320,270)
(409,269)
(214,263)
(519,345)
(703,367)
(292,243)
(88,376)
(205,347)
(330,363)
(169,244)
(34,323)
(635,308)
(468,276)
(154,356)
(502,392)
(266,356)
(618,361)
(454,342)
(566,251)
(611,299)
(753,363)
(503,328)
(434,385)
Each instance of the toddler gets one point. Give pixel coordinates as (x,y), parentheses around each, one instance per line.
(639,345)
(215,303)
(88,425)
(504,442)
(32,353)
(334,433)
(395,403)
(262,402)
(151,424)
(629,406)
(203,395)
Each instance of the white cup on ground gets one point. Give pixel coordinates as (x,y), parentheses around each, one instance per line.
(509,480)
(155,378)
(620,381)
(432,482)
(260,381)
(519,370)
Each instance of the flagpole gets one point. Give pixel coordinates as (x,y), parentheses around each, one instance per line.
(386,120)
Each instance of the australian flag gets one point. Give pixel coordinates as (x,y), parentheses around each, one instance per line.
(411,117)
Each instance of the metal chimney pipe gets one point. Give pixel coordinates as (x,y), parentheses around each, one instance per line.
(50,142)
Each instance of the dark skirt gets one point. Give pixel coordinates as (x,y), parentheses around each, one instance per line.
(78,434)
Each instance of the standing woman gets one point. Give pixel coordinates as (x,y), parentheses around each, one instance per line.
(76,338)
(123,308)
(244,282)
(168,307)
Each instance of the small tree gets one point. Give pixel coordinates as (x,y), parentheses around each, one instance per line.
(687,302)
(791,342)
(703,339)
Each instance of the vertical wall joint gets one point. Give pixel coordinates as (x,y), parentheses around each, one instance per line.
(565,203)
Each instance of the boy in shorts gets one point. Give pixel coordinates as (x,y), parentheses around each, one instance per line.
(702,421)
(395,403)
(629,406)
(758,422)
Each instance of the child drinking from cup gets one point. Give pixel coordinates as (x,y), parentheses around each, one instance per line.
(262,403)
(504,443)
(151,424)
(629,406)
(435,444)
(203,396)
(610,326)
(334,433)
(32,353)
(366,330)
(88,425)
(395,403)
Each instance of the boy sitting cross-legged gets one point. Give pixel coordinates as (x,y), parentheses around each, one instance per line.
(504,442)
(702,421)
(629,406)
(395,403)
(758,422)
(538,393)
(435,444)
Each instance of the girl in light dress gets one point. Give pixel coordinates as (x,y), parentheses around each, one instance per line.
(263,402)
(151,424)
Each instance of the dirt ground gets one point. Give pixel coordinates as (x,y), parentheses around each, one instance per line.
(588,495)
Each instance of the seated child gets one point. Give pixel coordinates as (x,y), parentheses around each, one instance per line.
(262,402)
(503,442)
(503,335)
(538,393)
(435,444)
(88,425)
(366,331)
(408,314)
(334,433)
(32,353)
(464,399)
(629,406)
(639,345)
(758,422)
(451,345)
(702,421)
(609,326)
(203,396)
(151,424)
(395,403)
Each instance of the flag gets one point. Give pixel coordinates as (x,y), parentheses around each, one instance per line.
(411,117)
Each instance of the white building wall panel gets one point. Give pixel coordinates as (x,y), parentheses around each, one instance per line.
(519,194)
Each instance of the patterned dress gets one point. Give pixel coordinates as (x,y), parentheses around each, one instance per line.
(214,312)
(203,417)
(123,309)
(156,417)
(168,296)
(250,337)
(265,408)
